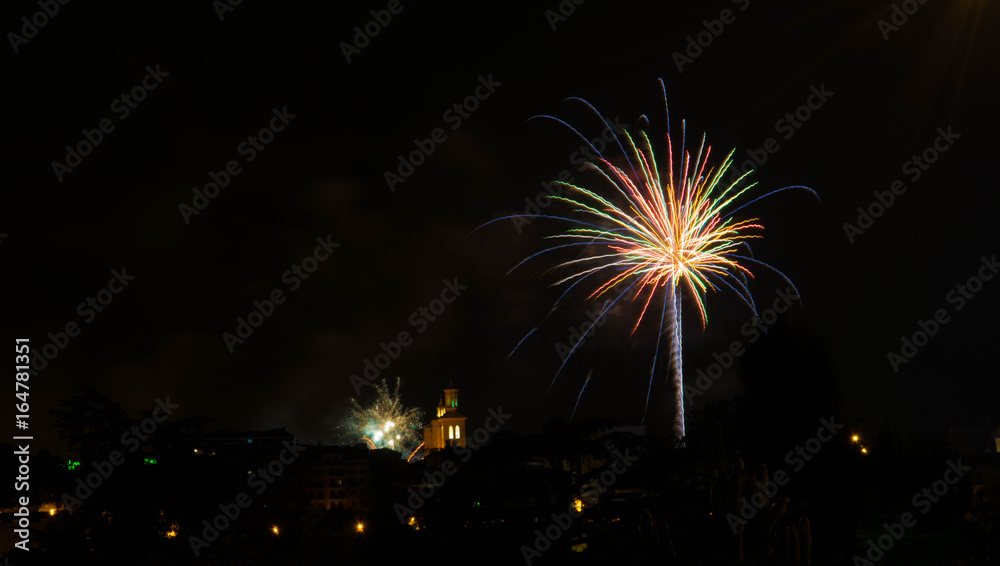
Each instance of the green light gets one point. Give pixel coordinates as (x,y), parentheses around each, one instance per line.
(149,461)
(71,464)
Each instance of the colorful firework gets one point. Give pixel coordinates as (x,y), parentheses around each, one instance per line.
(667,233)
(385,422)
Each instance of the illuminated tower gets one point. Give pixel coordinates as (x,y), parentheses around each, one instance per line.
(448,428)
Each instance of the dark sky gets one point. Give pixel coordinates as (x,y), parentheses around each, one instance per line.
(323,175)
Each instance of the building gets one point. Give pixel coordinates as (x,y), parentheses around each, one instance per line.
(335,477)
(448,428)
(977,440)
(328,477)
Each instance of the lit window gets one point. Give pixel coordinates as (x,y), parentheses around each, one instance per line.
(458,432)
(451,432)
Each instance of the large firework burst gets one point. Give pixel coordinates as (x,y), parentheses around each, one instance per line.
(385,422)
(660,232)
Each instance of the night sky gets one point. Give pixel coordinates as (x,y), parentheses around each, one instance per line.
(219,81)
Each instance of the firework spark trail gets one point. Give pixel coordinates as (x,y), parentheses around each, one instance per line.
(676,231)
(580,396)
(652,368)
(521,342)
(414,451)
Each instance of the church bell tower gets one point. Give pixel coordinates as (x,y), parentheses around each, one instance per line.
(448,429)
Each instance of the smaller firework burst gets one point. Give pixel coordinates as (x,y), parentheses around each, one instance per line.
(384,422)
